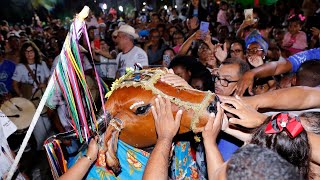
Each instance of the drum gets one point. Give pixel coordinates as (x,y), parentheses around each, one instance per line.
(36,98)
(20,111)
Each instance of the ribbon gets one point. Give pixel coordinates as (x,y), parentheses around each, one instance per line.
(300,16)
(283,122)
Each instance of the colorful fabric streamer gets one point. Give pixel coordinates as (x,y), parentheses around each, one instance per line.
(70,81)
(56,158)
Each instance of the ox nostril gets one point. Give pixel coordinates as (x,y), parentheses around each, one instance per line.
(212,108)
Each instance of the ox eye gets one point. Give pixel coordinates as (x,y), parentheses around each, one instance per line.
(142,109)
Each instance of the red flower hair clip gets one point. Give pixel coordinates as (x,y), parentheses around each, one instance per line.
(283,122)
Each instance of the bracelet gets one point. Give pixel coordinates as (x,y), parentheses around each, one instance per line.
(88,157)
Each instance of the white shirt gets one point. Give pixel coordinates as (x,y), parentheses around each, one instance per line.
(107,67)
(21,73)
(6,158)
(135,55)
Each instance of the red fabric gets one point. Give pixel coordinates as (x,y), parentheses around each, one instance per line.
(284,122)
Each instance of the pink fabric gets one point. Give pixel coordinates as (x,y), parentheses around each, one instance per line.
(299,42)
(177,48)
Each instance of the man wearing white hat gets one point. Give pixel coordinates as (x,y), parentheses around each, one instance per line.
(130,54)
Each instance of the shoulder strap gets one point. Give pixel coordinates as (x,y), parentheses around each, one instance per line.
(32,75)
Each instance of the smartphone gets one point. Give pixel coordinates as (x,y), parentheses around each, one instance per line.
(204,27)
(166,60)
(96,43)
(248,14)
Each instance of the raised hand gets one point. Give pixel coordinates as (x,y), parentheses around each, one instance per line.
(175,80)
(221,54)
(255,60)
(315,31)
(246,82)
(248,116)
(213,126)
(93,148)
(166,125)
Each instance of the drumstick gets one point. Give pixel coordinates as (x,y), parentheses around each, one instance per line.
(19,108)
(16,115)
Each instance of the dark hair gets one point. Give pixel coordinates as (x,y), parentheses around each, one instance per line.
(295,150)
(308,74)
(243,66)
(312,123)
(241,42)
(168,49)
(36,50)
(184,61)
(255,162)
(161,26)
(295,18)
(205,76)
(202,12)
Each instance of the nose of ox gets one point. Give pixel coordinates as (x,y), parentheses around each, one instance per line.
(212,107)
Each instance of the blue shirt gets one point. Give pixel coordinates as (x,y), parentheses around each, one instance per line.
(227,145)
(297,59)
(7,68)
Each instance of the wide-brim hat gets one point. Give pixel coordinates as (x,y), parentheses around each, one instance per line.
(128,30)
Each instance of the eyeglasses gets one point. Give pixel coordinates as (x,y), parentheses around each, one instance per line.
(29,51)
(236,51)
(223,82)
(155,37)
(253,51)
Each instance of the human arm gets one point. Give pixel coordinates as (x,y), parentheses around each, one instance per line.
(292,98)
(211,130)
(240,32)
(15,86)
(315,36)
(167,127)
(265,70)
(186,45)
(247,115)
(81,167)
(175,80)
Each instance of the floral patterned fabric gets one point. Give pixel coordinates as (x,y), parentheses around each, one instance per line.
(132,161)
(183,164)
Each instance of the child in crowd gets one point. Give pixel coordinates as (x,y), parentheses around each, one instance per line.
(295,40)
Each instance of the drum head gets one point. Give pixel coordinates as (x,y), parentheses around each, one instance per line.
(22,109)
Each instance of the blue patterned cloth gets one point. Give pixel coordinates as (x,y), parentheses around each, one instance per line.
(132,162)
(183,165)
(301,57)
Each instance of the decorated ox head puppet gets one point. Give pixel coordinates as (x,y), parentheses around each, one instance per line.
(129,110)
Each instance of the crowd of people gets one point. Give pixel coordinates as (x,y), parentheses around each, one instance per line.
(251,58)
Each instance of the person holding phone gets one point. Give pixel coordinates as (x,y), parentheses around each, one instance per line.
(249,24)
(167,56)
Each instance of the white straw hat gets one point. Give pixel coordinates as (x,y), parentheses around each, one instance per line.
(128,30)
